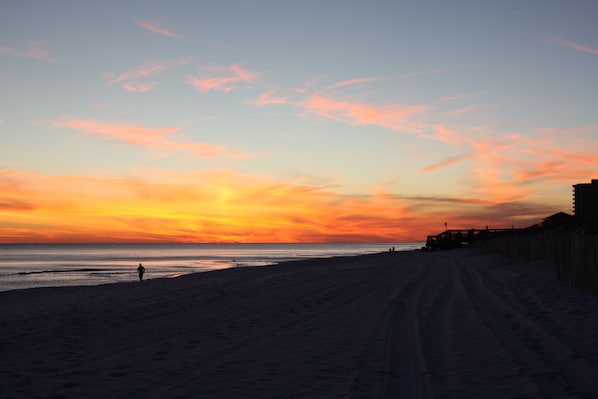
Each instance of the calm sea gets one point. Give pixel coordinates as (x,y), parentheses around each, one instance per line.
(30,266)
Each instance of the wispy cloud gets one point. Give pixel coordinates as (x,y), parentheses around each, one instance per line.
(327,102)
(423,72)
(394,116)
(131,80)
(269,98)
(467,110)
(139,87)
(448,161)
(524,165)
(35,50)
(459,97)
(154,28)
(225,79)
(352,82)
(557,41)
(446,134)
(166,140)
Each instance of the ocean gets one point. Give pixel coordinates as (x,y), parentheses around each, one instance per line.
(47,265)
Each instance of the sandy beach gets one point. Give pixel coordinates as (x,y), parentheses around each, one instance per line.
(394,325)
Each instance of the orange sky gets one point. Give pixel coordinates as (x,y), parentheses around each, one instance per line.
(226,207)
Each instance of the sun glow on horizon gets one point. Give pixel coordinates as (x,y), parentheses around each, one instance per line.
(223,208)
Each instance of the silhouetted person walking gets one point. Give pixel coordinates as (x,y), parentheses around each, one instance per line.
(141,270)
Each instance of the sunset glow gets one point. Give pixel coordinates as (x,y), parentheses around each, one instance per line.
(184,123)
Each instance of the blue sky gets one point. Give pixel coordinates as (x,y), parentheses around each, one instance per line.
(314,121)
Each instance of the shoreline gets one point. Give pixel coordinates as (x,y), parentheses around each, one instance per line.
(134,279)
(68,265)
(376,325)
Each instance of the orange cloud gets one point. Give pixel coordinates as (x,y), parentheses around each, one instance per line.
(424,72)
(351,82)
(557,41)
(234,76)
(138,87)
(130,79)
(447,162)
(448,135)
(153,28)
(323,103)
(160,139)
(269,98)
(463,111)
(393,116)
(509,168)
(524,167)
(459,97)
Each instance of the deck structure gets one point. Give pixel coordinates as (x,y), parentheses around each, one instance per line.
(455,238)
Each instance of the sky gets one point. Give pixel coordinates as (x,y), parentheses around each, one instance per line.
(280,121)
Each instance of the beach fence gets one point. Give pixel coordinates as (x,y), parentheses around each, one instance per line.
(574,252)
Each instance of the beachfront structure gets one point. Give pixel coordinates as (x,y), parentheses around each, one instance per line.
(585,202)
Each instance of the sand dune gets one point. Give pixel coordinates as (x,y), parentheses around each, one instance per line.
(408,324)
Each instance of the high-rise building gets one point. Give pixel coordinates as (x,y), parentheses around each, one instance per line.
(585,202)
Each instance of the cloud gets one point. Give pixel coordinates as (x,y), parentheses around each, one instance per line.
(228,79)
(394,116)
(459,97)
(130,80)
(461,112)
(269,98)
(139,87)
(446,134)
(423,72)
(16,205)
(351,82)
(153,28)
(164,139)
(525,166)
(327,104)
(35,50)
(557,41)
(530,167)
(447,162)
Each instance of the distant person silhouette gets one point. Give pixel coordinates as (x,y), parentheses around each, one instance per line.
(141,270)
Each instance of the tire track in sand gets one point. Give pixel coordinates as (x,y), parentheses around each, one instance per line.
(407,375)
(462,354)
(542,356)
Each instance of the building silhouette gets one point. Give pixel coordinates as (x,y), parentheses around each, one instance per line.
(585,202)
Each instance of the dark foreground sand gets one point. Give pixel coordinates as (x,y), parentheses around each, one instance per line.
(403,325)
